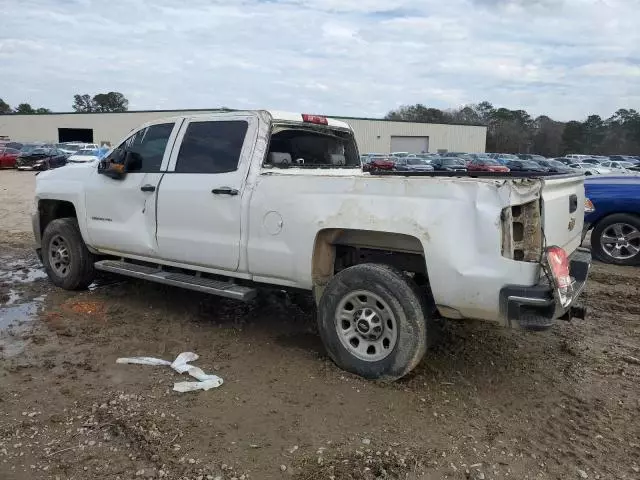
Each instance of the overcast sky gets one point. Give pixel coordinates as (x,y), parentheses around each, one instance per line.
(565,58)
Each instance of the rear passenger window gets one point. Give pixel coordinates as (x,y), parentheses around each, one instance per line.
(211,147)
(150,143)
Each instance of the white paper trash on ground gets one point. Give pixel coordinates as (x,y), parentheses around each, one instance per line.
(180,365)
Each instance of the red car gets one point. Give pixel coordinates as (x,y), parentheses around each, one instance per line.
(8,157)
(486,165)
(379,163)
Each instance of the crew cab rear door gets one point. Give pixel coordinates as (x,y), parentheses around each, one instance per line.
(201,197)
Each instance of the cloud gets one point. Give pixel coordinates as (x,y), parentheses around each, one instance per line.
(564,58)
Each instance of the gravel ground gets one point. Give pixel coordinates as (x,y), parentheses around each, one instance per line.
(485,403)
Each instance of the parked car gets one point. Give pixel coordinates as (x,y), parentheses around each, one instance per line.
(623,158)
(592,160)
(8,157)
(589,169)
(615,221)
(10,144)
(618,167)
(412,164)
(41,159)
(564,160)
(525,166)
(449,164)
(530,156)
(577,158)
(72,147)
(381,162)
(231,215)
(486,165)
(555,166)
(82,156)
(505,158)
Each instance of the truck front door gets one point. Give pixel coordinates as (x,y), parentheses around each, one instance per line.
(121,213)
(201,195)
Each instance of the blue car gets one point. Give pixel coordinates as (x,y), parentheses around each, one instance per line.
(615,219)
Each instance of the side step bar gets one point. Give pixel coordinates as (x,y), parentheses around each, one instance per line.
(191,282)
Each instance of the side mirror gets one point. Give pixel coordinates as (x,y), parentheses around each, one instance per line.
(113,166)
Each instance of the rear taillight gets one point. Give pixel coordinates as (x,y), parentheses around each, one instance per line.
(588,206)
(558,263)
(318,119)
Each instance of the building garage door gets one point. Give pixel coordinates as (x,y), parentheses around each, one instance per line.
(410,144)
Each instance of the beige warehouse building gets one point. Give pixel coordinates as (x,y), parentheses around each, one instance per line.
(372,135)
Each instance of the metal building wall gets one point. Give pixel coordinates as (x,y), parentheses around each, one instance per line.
(371,135)
(374,136)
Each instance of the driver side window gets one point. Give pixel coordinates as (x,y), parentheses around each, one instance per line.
(148,144)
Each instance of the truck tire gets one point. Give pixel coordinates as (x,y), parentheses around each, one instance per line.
(616,239)
(66,259)
(373,321)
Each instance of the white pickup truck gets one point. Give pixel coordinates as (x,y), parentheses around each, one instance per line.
(224,203)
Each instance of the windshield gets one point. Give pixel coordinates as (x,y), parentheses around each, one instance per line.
(30,148)
(86,152)
(530,164)
(415,161)
(508,156)
(73,148)
(452,162)
(487,161)
(555,163)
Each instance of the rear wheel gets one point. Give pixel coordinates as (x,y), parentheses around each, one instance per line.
(616,239)
(373,321)
(66,259)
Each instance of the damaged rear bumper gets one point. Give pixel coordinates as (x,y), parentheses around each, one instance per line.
(537,307)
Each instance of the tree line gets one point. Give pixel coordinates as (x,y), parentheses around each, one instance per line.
(6,109)
(101,102)
(515,131)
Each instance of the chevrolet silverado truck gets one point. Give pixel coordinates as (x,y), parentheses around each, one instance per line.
(225,203)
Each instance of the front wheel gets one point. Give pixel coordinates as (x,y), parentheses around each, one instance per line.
(66,259)
(373,321)
(616,239)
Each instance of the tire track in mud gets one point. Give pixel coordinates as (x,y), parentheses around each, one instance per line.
(580,431)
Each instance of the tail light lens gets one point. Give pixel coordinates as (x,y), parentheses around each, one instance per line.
(588,206)
(558,263)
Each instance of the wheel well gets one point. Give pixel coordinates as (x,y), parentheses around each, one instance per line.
(337,249)
(607,215)
(53,209)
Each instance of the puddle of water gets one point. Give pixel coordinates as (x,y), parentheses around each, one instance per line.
(14,321)
(14,295)
(22,275)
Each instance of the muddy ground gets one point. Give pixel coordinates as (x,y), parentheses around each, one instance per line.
(485,403)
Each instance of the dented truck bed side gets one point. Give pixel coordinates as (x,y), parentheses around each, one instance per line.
(463,227)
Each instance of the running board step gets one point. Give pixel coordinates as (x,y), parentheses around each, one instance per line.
(191,282)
